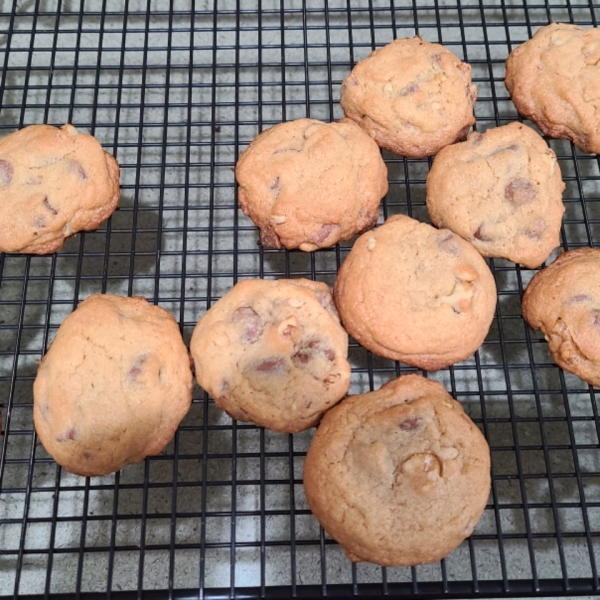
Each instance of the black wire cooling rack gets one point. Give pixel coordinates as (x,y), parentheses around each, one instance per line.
(176,90)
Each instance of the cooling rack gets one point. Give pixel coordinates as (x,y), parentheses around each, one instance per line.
(176,90)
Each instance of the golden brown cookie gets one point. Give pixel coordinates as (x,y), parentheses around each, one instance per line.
(309,185)
(273,352)
(563,300)
(554,80)
(410,292)
(411,96)
(53,184)
(502,191)
(113,387)
(399,476)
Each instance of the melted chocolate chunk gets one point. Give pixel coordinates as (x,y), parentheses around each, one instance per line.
(49,206)
(251,323)
(520,192)
(6,172)
(410,424)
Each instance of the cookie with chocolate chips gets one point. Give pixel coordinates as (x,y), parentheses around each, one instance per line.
(309,185)
(411,96)
(400,476)
(507,200)
(273,352)
(113,387)
(53,183)
(410,292)
(554,80)
(563,301)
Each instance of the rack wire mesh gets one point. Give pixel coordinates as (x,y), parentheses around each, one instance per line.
(176,90)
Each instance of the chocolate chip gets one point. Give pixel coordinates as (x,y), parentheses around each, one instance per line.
(409,89)
(447,243)
(87,455)
(251,323)
(536,231)
(325,232)
(76,168)
(596,318)
(275,184)
(520,192)
(410,424)
(476,138)
(6,172)
(323,298)
(138,367)
(581,298)
(273,365)
(224,387)
(71,434)
(303,357)
(479,233)
(49,206)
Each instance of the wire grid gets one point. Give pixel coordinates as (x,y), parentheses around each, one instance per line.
(176,91)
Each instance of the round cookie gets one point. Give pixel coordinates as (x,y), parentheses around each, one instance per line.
(410,292)
(411,96)
(399,476)
(563,300)
(554,80)
(113,387)
(53,183)
(309,185)
(507,200)
(273,352)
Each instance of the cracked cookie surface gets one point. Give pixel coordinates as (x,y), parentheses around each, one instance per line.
(554,80)
(411,96)
(53,184)
(273,352)
(308,184)
(501,191)
(399,476)
(113,386)
(563,301)
(412,293)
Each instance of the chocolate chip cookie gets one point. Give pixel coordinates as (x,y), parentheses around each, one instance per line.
(273,352)
(563,300)
(53,183)
(399,476)
(554,80)
(410,292)
(411,96)
(502,191)
(309,185)
(113,387)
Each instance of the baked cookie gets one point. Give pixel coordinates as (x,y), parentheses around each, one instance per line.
(563,300)
(399,476)
(507,198)
(113,387)
(554,80)
(410,292)
(53,183)
(411,96)
(309,185)
(273,352)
